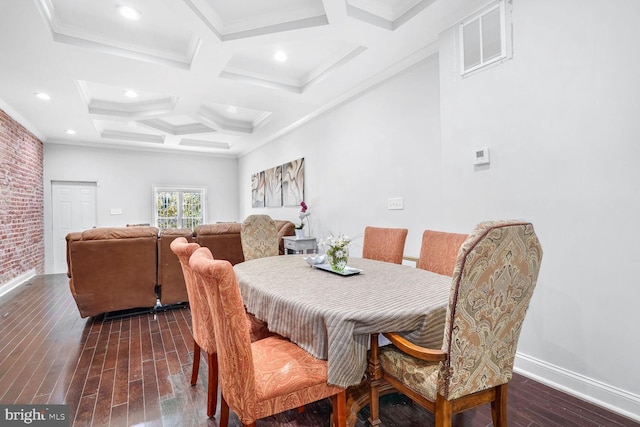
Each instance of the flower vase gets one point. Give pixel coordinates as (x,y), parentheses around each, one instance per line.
(337,257)
(299,232)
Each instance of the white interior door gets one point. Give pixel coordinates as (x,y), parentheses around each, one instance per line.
(74,209)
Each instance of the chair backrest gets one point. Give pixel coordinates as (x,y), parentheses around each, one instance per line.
(384,244)
(259,237)
(171,284)
(217,279)
(439,251)
(492,284)
(201,320)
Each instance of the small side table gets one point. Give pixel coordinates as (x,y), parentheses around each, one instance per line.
(299,244)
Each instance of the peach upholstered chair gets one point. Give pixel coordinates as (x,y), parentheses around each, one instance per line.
(202,324)
(259,237)
(265,377)
(384,244)
(494,277)
(439,251)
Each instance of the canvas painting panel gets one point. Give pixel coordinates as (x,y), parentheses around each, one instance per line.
(257,190)
(273,187)
(293,183)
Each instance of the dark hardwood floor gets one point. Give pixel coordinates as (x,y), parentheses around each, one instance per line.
(135,371)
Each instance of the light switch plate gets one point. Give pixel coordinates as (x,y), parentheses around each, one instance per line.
(395,203)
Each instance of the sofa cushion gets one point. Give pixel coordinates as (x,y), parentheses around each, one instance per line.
(222,239)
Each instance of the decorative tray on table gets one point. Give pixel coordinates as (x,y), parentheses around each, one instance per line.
(348,271)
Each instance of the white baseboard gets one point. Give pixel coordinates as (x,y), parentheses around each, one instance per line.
(596,392)
(17,281)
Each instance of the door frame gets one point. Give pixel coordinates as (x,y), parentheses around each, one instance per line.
(53,241)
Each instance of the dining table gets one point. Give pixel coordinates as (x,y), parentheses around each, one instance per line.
(332,315)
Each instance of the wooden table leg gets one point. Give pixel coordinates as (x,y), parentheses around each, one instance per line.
(359,396)
(369,390)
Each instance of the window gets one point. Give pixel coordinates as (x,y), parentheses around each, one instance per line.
(484,39)
(179,207)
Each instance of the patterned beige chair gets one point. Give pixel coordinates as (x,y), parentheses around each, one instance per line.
(439,251)
(202,324)
(259,237)
(265,377)
(384,244)
(492,284)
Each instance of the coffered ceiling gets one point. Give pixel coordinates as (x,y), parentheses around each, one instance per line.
(202,75)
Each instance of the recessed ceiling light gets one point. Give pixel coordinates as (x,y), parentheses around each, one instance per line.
(70,132)
(231,109)
(280,56)
(129,13)
(130,93)
(43,96)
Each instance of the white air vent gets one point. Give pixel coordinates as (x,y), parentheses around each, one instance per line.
(483,38)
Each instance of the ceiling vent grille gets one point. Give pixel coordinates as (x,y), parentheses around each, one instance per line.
(483,39)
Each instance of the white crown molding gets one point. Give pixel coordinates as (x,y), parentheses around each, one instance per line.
(290,16)
(20,119)
(143,148)
(612,398)
(385,17)
(131,111)
(299,85)
(369,18)
(314,21)
(132,136)
(287,20)
(189,129)
(63,33)
(243,78)
(255,78)
(222,124)
(207,15)
(204,144)
(342,58)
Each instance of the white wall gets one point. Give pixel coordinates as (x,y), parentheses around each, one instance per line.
(383,144)
(561,122)
(125,180)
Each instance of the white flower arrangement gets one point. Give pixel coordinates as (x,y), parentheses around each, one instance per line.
(338,251)
(336,242)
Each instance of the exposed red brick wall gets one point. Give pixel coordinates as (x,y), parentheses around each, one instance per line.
(21,201)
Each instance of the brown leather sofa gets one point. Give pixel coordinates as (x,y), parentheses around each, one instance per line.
(114,269)
(223,239)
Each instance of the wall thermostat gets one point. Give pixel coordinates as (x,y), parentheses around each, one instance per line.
(481,156)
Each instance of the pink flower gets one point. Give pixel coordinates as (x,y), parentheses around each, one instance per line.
(304,207)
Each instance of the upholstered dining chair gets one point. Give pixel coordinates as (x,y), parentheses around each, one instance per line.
(494,278)
(259,236)
(439,251)
(202,324)
(384,244)
(265,377)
